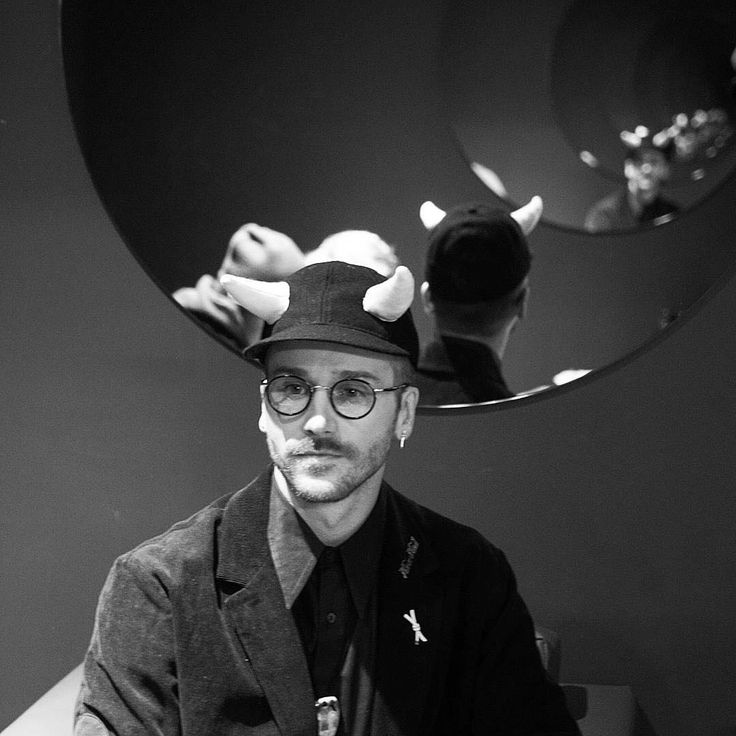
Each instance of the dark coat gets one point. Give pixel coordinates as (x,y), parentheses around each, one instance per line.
(454,370)
(192,636)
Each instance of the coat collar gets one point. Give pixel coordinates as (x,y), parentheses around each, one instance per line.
(242,542)
(254,604)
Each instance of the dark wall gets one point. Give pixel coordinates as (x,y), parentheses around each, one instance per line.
(614,501)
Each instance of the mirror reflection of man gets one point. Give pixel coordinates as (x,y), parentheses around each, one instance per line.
(476,292)
(647,168)
(318,601)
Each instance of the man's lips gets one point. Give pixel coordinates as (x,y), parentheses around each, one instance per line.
(314,453)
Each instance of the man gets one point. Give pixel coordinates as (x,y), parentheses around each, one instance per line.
(476,291)
(318,600)
(647,166)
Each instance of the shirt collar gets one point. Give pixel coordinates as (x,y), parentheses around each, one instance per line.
(295,548)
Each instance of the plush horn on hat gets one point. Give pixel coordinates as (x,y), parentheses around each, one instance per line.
(528,216)
(431,215)
(391,298)
(266,299)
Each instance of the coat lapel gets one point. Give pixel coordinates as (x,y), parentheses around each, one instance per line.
(406,667)
(255,606)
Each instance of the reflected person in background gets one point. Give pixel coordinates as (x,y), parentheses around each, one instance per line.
(253,251)
(476,292)
(318,600)
(647,167)
(258,252)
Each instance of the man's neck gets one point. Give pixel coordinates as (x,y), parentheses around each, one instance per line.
(497,342)
(640,198)
(334,523)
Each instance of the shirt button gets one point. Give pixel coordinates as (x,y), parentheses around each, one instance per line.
(331,618)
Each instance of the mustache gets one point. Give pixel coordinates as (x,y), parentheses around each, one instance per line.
(320,444)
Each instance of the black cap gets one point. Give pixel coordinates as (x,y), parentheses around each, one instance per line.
(477,253)
(326,305)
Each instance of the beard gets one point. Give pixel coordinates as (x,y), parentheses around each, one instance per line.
(332,476)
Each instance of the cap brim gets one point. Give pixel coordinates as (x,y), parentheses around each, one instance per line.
(323,333)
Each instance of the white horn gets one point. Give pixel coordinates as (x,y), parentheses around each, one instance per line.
(391,298)
(430,214)
(490,178)
(528,216)
(266,299)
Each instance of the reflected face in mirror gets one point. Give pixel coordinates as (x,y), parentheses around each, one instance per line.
(642,200)
(646,174)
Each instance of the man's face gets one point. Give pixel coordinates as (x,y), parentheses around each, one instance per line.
(648,174)
(323,456)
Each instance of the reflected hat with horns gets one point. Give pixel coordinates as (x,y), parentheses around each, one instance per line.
(478,253)
(332,302)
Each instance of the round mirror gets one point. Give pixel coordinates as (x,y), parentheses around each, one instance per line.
(195,119)
(620,113)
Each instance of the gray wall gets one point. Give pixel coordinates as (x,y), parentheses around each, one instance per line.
(613,501)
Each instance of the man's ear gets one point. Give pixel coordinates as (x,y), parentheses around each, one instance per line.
(262,418)
(407,411)
(524,300)
(426,296)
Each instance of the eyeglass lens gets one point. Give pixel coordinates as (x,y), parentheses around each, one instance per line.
(290,395)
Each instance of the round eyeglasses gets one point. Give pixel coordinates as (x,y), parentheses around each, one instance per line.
(351,398)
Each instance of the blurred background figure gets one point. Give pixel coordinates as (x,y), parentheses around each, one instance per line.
(361,247)
(476,292)
(647,168)
(258,252)
(255,252)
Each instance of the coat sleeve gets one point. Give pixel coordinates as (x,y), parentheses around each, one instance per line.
(513,693)
(130,680)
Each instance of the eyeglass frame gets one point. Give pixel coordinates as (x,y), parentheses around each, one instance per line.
(314,387)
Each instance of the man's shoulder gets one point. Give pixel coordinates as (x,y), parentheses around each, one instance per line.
(192,541)
(612,202)
(185,536)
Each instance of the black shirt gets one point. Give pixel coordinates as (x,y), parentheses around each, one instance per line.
(331,593)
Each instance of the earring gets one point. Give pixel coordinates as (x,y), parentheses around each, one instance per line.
(402,440)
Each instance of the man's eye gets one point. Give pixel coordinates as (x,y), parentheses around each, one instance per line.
(353,390)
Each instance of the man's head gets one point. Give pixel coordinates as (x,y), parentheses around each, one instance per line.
(338,364)
(477,267)
(329,441)
(647,163)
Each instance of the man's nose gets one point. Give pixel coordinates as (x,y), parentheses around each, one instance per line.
(320,414)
